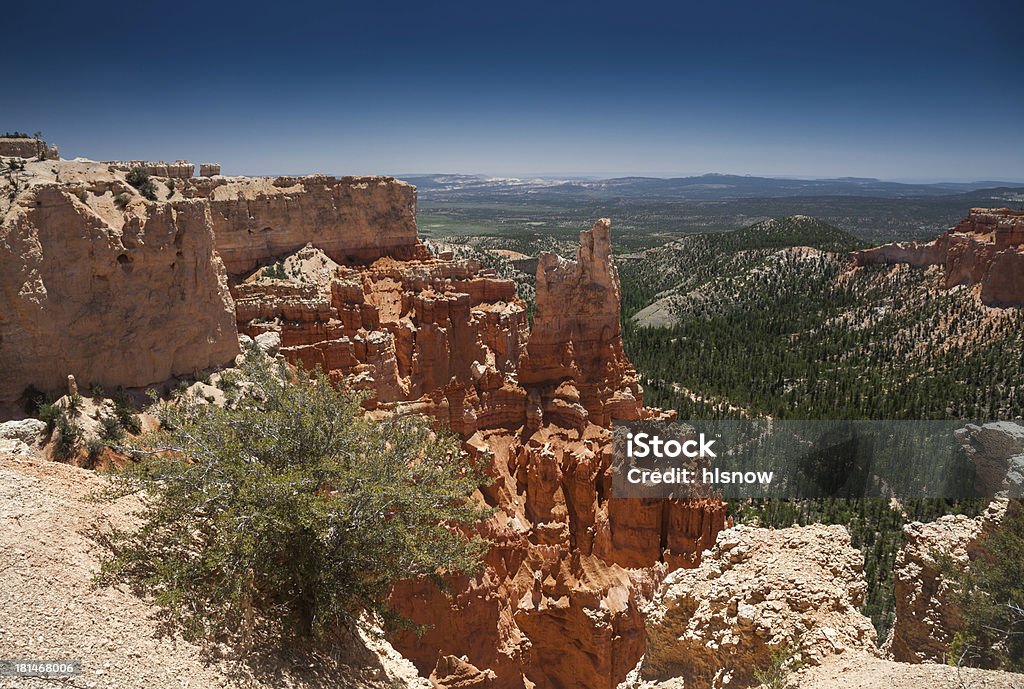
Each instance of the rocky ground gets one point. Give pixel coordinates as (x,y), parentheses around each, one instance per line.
(761,590)
(51,609)
(755,588)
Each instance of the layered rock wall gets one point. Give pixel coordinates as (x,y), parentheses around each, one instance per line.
(27,147)
(986,248)
(179,169)
(112,296)
(351,219)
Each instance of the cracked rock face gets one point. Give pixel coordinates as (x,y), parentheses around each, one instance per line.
(756,591)
(127,295)
(926,616)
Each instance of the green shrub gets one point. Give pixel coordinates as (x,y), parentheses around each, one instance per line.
(275,271)
(782,664)
(48,414)
(124,410)
(294,506)
(991,594)
(94,447)
(121,200)
(111,430)
(140,179)
(69,437)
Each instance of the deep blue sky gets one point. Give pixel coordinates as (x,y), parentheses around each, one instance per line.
(897,90)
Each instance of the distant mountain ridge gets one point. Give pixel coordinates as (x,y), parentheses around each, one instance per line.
(703,187)
(658,280)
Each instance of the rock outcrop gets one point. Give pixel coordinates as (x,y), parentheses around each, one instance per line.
(757,591)
(116,296)
(351,219)
(20,438)
(986,248)
(575,356)
(27,147)
(927,617)
(179,169)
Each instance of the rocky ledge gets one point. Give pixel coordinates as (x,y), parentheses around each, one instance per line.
(986,248)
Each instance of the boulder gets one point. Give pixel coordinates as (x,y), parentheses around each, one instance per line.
(756,592)
(27,431)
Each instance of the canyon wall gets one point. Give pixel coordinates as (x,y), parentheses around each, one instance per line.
(117,290)
(558,602)
(114,296)
(179,169)
(986,248)
(351,219)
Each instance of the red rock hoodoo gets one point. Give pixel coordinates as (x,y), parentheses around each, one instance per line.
(558,602)
(986,248)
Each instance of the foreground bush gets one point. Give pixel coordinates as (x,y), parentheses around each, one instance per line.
(291,506)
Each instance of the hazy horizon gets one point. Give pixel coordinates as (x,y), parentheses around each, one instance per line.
(894,91)
(597,176)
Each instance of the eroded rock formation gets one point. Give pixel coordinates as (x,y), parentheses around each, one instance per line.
(558,603)
(927,617)
(575,356)
(986,248)
(114,289)
(27,147)
(351,219)
(126,295)
(179,169)
(757,591)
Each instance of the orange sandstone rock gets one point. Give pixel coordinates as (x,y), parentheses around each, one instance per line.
(986,248)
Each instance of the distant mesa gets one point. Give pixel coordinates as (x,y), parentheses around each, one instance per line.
(986,248)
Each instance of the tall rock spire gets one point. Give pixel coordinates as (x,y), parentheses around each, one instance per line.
(575,347)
